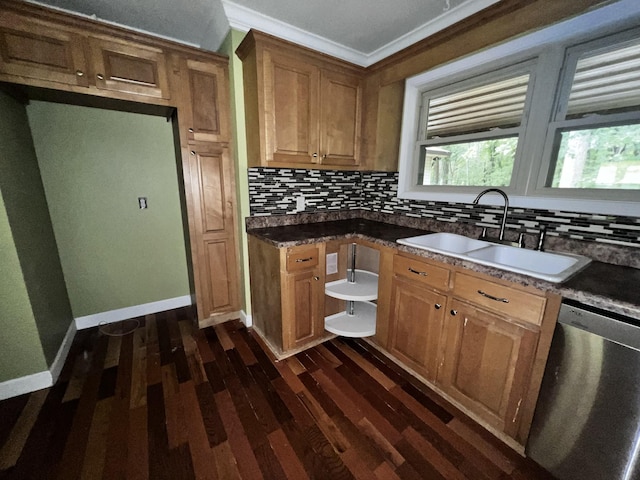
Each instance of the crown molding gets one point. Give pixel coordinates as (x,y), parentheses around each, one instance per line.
(244,19)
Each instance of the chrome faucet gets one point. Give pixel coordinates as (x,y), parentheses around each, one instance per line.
(504,213)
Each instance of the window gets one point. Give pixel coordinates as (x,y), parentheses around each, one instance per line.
(469,131)
(595,132)
(552,118)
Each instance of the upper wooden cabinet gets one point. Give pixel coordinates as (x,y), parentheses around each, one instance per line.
(38,51)
(33,49)
(208,85)
(302,108)
(124,67)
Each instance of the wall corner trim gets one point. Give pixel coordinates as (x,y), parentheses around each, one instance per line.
(246,318)
(134,311)
(63,351)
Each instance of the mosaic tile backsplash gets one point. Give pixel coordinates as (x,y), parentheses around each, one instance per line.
(273,191)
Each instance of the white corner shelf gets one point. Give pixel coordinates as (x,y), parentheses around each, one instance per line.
(365,288)
(361,324)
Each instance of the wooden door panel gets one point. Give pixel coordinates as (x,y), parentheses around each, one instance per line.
(341,104)
(416,326)
(488,363)
(303,308)
(291,104)
(218,275)
(34,50)
(131,69)
(208,83)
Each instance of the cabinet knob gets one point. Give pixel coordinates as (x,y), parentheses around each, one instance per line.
(314,155)
(454,312)
(193,152)
(100,76)
(438,306)
(191,130)
(316,278)
(79,73)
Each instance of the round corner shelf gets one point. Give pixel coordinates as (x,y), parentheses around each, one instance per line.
(365,288)
(361,324)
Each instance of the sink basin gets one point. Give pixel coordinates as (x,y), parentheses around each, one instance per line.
(447,243)
(552,267)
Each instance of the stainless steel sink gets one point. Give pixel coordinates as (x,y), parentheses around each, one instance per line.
(553,267)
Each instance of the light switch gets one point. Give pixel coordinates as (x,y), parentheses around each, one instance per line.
(142,202)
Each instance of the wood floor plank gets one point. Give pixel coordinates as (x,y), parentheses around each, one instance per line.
(223,336)
(138,445)
(12,448)
(238,441)
(285,453)
(202,457)
(94,458)
(139,370)
(173,408)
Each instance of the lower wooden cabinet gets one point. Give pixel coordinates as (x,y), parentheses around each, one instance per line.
(417,315)
(287,293)
(479,341)
(488,363)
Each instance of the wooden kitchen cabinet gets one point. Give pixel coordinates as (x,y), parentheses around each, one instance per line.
(31,48)
(305,107)
(129,68)
(212,189)
(484,349)
(287,291)
(417,315)
(488,363)
(208,84)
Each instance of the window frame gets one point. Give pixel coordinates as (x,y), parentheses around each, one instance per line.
(550,47)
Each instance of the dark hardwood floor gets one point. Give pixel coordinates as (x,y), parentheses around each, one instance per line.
(169,401)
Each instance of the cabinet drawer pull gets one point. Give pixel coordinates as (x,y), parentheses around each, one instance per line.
(79,73)
(422,274)
(316,278)
(438,306)
(100,76)
(497,299)
(300,260)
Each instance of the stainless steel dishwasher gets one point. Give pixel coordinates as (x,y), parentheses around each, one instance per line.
(587,421)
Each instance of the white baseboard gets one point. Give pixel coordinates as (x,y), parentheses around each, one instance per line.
(245,318)
(26,384)
(63,351)
(120,314)
(45,379)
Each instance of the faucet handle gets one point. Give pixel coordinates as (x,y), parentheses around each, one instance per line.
(521,240)
(483,234)
(541,236)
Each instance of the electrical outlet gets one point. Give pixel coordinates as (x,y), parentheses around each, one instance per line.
(142,202)
(300,203)
(332,263)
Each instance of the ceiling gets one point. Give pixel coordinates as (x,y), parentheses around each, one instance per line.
(359,31)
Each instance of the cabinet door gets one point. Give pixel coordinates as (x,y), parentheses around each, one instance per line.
(208,86)
(124,67)
(416,322)
(303,300)
(215,266)
(291,110)
(31,49)
(340,114)
(488,363)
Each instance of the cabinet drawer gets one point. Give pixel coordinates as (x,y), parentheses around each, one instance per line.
(422,272)
(301,259)
(500,298)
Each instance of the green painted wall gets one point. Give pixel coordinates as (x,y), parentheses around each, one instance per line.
(95,164)
(34,308)
(228,48)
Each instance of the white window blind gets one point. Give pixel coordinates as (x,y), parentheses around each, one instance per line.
(499,104)
(607,81)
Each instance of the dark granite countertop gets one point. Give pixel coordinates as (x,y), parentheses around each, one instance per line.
(602,285)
